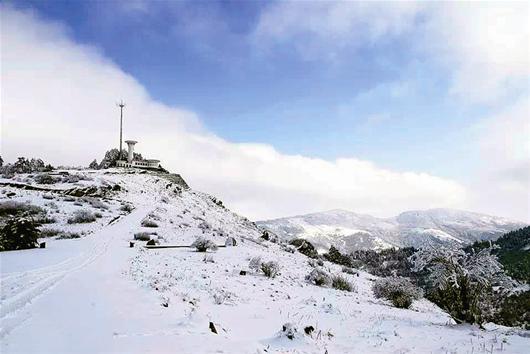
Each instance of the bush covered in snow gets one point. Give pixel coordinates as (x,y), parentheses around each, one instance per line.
(304,247)
(18,234)
(45,178)
(208,259)
(350,271)
(127,208)
(149,223)
(271,269)
(269,236)
(203,244)
(67,235)
(255,264)
(12,208)
(514,310)
(400,291)
(289,330)
(389,262)
(319,277)
(341,283)
(462,283)
(142,236)
(82,217)
(313,263)
(95,203)
(24,165)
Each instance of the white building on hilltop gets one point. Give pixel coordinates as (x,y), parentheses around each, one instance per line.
(131,162)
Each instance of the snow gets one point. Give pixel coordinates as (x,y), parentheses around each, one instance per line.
(96,294)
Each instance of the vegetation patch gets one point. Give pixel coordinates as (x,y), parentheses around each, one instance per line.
(400,291)
(305,247)
(82,217)
(18,234)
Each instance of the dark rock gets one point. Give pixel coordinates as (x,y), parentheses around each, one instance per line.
(243,272)
(212,328)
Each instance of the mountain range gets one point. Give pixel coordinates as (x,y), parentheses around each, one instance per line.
(349,231)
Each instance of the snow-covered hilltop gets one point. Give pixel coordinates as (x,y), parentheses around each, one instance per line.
(89,292)
(350,231)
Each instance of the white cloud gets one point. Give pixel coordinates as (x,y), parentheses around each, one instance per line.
(484,46)
(58,104)
(502,181)
(323,29)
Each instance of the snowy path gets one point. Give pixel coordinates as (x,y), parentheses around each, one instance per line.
(78,304)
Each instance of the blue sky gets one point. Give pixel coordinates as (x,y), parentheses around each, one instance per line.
(406,86)
(312,106)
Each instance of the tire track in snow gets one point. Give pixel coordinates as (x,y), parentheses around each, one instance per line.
(21,288)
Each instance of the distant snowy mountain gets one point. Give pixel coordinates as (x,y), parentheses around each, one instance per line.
(350,231)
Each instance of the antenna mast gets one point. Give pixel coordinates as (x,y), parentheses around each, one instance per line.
(120,104)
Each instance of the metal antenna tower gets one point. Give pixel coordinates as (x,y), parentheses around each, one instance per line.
(121,104)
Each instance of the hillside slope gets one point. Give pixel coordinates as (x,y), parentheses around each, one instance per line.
(350,231)
(96,294)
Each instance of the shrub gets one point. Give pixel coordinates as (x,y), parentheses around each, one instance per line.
(514,310)
(18,234)
(271,269)
(208,259)
(126,208)
(219,297)
(349,270)
(45,233)
(149,223)
(82,217)
(315,263)
(142,236)
(289,330)
(288,248)
(203,244)
(389,262)
(68,235)
(255,263)
(336,257)
(44,219)
(96,203)
(319,277)
(269,236)
(400,291)
(340,283)
(12,208)
(305,247)
(462,283)
(44,179)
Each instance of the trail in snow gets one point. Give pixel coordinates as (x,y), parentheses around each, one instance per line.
(19,289)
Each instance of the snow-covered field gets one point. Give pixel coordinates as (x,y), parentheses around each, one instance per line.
(96,294)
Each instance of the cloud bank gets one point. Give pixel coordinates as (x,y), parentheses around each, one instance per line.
(58,103)
(484,46)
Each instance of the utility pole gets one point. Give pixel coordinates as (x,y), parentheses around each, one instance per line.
(121,104)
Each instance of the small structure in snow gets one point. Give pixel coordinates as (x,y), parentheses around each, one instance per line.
(131,162)
(230,241)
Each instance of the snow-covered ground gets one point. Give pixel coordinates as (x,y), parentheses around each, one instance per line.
(96,294)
